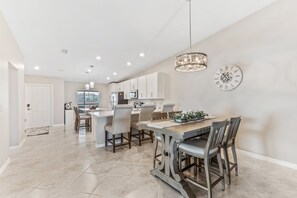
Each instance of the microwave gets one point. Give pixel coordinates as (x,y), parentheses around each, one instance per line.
(133,94)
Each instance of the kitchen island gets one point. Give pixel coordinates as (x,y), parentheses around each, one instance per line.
(102,118)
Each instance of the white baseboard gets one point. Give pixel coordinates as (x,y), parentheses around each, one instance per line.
(4,166)
(58,125)
(18,146)
(100,145)
(269,159)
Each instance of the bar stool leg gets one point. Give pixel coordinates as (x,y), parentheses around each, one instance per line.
(139,137)
(208,179)
(235,159)
(227,165)
(221,170)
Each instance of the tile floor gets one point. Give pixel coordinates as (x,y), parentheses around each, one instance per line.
(62,164)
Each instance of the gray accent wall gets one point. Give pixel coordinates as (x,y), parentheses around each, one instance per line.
(264,45)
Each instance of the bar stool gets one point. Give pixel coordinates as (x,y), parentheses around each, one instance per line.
(157,116)
(144,115)
(229,141)
(121,123)
(206,150)
(87,120)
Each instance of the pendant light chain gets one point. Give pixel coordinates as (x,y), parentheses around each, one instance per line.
(190,24)
(191,61)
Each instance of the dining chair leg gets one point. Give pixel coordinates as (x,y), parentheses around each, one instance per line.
(122,138)
(139,138)
(208,179)
(152,137)
(155,151)
(180,160)
(199,165)
(195,166)
(142,133)
(129,139)
(227,165)
(113,143)
(106,137)
(219,158)
(235,159)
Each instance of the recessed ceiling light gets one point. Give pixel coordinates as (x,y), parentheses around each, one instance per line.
(107,78)
(129,63)
(36,68)
(141,54)
(98,57)
(89,70)
(115,73)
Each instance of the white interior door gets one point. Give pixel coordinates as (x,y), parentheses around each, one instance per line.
(38,105)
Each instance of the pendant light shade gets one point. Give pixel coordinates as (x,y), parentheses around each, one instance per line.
(92,84)
(87,86)
(191,61)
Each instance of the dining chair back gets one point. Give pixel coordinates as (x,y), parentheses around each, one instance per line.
(216,135)
(121,122)
(145,112)
(229,141)
(158,116)
(167,107)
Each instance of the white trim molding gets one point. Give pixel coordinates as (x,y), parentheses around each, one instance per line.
(5,165)
(58,125)
(100,145)
(18,146)
(269,159)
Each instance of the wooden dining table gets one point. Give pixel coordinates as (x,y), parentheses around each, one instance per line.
(172,134)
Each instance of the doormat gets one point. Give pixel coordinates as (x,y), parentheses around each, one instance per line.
(37,131)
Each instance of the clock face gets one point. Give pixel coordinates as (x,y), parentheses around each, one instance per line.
(228,77)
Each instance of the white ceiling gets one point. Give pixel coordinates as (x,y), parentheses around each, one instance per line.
(115,30)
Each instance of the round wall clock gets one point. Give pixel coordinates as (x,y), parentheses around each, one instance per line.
(228,77)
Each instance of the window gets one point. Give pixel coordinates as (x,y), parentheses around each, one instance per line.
(87,99)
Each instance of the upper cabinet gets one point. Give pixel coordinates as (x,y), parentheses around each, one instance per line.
(121,86)
(141,87)
(126,89)
(134,84)
(151,86)
(155,88)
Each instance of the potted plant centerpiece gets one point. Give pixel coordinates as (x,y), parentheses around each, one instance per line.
(189,116)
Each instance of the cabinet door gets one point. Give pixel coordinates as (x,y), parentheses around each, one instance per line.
(141,87)
(133,84)
(152,86)
(126,89)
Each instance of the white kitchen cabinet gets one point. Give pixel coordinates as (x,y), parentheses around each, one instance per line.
(121,86)
(133,84)
(141,87)
(126,89)
(113,87)
(155,86)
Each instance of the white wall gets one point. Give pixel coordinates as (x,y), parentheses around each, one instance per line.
(58,94)
(9,52)
(72,87)
(264,45)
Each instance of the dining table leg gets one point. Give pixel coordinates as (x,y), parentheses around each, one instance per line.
(168,170)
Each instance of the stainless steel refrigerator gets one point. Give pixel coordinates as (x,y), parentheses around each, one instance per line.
(117,98)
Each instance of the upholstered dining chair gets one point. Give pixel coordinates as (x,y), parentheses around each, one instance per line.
(157,116)
(206,150)
(144,115)
(229,141)
(121,124)
(82,120)
(167,107)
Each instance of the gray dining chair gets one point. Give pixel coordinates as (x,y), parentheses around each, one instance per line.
(229,141)
(121,124)
(144,115)
(158,138)
(82,121)
(206,150)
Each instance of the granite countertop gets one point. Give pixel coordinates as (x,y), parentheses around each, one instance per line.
(104,114)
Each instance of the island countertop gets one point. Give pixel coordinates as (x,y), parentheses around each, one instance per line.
(105,114)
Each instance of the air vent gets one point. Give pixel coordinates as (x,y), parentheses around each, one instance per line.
(64,51)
